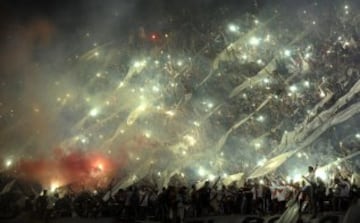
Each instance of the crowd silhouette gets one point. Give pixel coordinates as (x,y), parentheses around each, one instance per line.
(261,197)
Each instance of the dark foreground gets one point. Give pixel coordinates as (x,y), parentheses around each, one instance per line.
(328,217)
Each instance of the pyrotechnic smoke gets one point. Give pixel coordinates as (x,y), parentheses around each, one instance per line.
(201,92)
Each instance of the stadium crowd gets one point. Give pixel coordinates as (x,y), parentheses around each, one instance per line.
(261,197)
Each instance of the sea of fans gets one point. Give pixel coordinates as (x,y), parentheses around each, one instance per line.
(335,56)
(262,197)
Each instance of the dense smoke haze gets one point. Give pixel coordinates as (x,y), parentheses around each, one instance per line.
(93,92)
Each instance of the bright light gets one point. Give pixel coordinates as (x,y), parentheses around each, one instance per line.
(190,140)
(179,63)
(254,41)
(170,113)
(155,88)
(139,64)
(211,177)
(201,172)
(197,124)
(321,174)
(53,186)
(346,7)
(121,84)
(100,167)
(261,162)
(288,179)
(266,80)
(147,134)
(257,145)
(84,140)
(293,88)
(141,107)
(322,94)
(357,135)
(233,28)
(297,178)
(134,177)
(261,181)
(94,112)
(287,53)
(306,83)
(8,163)
(260,118)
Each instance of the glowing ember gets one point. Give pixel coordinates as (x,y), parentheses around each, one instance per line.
(53,186)
(100,167)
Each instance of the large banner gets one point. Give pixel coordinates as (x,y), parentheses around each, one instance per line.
(234,178)
(271,165)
